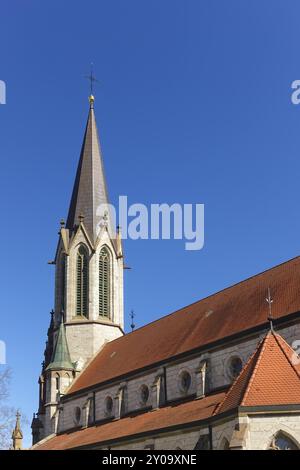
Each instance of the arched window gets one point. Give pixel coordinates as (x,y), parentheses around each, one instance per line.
(109,405)
(185,381)
(203,443)
(282,442)
(57,386)
(224,444)
(144,394)
(77,415)
(63,280)
(60,281)
(82,282)
(67,379)
(234,367)
(104,283)
(57,382)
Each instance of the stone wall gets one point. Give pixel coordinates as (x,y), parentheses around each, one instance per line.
(262,429)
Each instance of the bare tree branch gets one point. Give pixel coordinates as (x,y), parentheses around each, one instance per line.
(7,413)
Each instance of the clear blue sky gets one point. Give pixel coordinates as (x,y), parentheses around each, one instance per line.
(193,106)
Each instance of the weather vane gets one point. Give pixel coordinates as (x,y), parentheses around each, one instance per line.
(91,77)
(132,315)
(270,301)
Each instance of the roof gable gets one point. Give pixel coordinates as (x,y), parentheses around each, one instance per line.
(268,378)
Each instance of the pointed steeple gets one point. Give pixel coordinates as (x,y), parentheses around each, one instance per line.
(61,357)
(90,189)
(17,435)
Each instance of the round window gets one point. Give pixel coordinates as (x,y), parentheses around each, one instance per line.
(185,381)
(109,405)
(235,367)
(77,414)
(144,394)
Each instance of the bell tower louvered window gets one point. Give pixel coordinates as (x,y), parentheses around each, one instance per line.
(63,281)
(104,283)
(82,282)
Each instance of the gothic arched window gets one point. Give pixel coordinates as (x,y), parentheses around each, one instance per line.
(67,379)
(104,283)
(203,443)
(225,444)
(63,280)
(57,382)
(282,442)
(82,282)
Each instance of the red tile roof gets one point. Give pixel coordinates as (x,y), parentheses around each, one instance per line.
(271,377)
(231,311)
(150,421)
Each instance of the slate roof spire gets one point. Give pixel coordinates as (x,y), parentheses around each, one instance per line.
(90,190)
(61,357)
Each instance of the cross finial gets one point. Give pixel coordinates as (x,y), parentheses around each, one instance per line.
(91,77)
(105,218)
(104,221)
(132,315)
(270,301)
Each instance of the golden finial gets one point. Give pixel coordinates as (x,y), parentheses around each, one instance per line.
(91,100)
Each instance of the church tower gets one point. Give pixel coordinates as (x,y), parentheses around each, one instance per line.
(88,282)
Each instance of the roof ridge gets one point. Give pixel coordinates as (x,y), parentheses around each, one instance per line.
(210,295)
(238,311)
(262,345)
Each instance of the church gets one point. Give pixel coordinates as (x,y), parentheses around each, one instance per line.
(220,374)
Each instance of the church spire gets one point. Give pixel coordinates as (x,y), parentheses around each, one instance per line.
(89,268)
(90,191)
(17,435)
